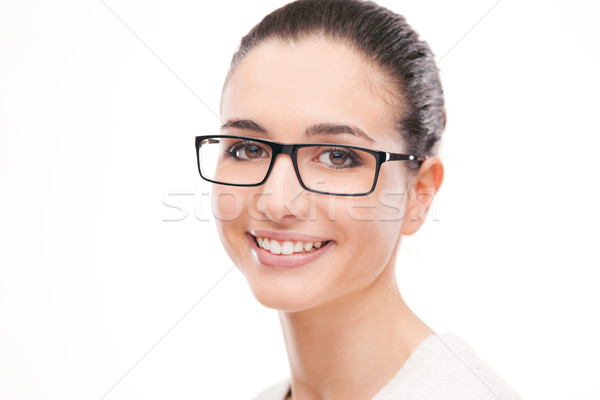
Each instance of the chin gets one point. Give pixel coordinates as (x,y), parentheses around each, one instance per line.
(282,297)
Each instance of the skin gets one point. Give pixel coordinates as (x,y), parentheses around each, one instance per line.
(346,327)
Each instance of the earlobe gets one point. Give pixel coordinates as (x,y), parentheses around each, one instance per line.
(424,187)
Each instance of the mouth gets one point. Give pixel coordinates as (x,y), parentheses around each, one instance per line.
(287,247)
(287,251)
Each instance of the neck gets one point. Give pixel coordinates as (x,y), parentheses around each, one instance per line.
(351,347)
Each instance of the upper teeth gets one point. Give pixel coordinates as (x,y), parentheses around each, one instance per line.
(287,247)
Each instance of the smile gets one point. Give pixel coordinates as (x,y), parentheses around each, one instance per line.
(287,247)
(287,251)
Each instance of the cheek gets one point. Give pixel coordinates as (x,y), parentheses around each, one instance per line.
(387,203)
(228,209)
(392,193)
(363,208)
(372,225)
(227,203)
(392,204)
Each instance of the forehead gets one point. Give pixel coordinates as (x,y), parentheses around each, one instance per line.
(287,86)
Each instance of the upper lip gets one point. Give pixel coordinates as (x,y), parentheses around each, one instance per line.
(291,236)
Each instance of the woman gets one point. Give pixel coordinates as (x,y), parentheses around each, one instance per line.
(332,112)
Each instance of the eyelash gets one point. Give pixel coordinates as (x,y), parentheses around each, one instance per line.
(239,145)
(356,161)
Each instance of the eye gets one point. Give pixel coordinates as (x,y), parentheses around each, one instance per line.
(247,151)
(339,158)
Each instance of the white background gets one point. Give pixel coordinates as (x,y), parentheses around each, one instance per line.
(96,137)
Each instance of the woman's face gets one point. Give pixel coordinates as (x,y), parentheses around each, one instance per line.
(286,89)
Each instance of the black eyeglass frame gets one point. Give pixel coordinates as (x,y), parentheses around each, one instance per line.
(291,149)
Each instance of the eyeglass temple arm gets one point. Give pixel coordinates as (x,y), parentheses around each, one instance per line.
(403,157)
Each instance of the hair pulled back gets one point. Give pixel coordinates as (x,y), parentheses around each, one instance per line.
(379,35)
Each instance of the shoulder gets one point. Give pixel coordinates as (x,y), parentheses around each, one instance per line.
(446,367)
(277,391)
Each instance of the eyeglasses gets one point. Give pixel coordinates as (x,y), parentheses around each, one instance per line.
(325,168)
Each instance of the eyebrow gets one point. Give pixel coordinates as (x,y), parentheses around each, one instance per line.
(246,124)
(316,129)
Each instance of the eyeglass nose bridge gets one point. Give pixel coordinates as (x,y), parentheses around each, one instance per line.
(290,150)
(283,149)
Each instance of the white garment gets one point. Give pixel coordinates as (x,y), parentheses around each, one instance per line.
(442,367)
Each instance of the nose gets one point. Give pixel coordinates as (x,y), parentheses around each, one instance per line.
(282,197)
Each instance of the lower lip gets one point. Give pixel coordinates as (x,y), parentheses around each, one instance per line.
(286,260)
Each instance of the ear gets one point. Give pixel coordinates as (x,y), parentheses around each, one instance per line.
(423,188)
